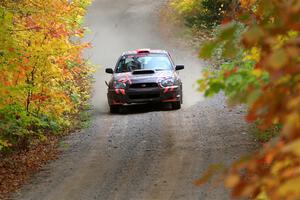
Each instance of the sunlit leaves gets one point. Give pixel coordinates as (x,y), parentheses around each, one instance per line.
(235,79)
(44,80)
(202,13)
(247,3)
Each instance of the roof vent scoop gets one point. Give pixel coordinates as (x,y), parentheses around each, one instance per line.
(140,51)
(137,72)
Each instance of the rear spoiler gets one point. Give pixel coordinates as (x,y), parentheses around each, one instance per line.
(143,51)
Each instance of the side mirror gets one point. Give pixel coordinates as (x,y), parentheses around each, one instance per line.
(109,70)
(179,67)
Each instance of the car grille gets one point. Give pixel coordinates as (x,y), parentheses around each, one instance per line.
(144,96)
(144,85)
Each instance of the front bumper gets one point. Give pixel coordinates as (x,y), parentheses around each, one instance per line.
(143,95)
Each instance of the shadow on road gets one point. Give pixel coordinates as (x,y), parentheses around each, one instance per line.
(135,109)
(145,108)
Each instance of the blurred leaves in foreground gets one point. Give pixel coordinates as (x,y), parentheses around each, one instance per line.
(260,42)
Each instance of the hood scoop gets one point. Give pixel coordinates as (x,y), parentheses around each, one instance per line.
(137,72)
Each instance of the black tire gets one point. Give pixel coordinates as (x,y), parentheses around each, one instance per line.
(176,105)
(181,96)
(114,109)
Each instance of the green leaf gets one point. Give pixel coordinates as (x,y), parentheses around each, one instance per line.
(208,49)
(228,32)
(229,50)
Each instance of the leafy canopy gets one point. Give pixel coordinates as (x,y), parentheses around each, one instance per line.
(44,80)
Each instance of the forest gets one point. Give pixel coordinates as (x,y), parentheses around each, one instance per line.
(45,81)
(253,53)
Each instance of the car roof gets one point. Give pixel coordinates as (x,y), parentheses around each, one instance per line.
(144,51)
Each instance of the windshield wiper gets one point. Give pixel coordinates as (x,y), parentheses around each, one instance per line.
(160,69)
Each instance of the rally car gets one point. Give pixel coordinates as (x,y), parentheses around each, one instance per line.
(144,76)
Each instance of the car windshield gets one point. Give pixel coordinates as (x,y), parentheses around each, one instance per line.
(157,62)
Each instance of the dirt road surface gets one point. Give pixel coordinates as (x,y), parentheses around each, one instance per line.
(150,153)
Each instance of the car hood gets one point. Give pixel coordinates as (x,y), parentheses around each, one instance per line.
(144,78)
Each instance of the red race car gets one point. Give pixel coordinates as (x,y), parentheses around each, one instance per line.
(144,76)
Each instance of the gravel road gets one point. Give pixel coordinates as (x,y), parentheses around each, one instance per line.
(149,153)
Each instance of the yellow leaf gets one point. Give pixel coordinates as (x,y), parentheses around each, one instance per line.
(290,187)
(253,54)
(247,3)
(278,166)
(257,72)
(294,147)
(232,180)
(262,196)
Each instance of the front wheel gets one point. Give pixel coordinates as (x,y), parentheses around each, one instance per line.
(114,109)
(176,105)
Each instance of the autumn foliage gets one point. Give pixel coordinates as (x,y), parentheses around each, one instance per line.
(202,13)
(273,27)
(44,80)
(260,42)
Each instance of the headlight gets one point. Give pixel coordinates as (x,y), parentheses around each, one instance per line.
(167,82)
(119,85)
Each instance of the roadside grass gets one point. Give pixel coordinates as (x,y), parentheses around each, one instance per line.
(18,165)
(85,117)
